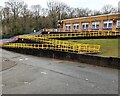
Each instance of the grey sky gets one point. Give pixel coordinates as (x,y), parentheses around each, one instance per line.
(91,4)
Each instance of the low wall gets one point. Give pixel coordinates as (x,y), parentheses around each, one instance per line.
(82,58)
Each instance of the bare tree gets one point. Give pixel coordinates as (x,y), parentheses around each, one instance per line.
(6,19)
(6,13)
(13,12)
(1,13)
(82,12)
(44,12)
(56,11)
(15,7)
(108,9)
(71,12)
(96,12)
(36,10)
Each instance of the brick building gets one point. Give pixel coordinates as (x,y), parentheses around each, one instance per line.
(100,22)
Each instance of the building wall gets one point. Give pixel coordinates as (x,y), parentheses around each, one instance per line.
(102,18)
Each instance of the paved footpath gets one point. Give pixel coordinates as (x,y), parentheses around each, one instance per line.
(38,75)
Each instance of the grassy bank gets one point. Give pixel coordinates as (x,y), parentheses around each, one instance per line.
(109,47)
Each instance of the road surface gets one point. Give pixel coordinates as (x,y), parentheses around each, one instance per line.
(38,75)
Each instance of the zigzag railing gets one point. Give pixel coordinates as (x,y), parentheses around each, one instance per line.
(66,44)
(83,34)
(73,48)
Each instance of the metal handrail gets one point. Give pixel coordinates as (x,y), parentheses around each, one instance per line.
(75,49)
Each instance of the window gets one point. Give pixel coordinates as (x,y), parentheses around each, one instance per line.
(67,26)
(95,25)
(85,26)
(118,23)
(76,26)
(105,25)
(108,24)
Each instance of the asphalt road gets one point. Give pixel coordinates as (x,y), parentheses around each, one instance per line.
(38,75)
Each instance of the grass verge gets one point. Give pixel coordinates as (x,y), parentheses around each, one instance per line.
(109,47)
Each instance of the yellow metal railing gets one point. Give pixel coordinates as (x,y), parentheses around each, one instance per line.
(79,34)
(73,48)
(65,44)
(60,45)
(82,34)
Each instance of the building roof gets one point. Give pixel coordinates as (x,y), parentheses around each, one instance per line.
(91,16)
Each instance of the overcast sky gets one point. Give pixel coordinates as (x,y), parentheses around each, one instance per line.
(91,4)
